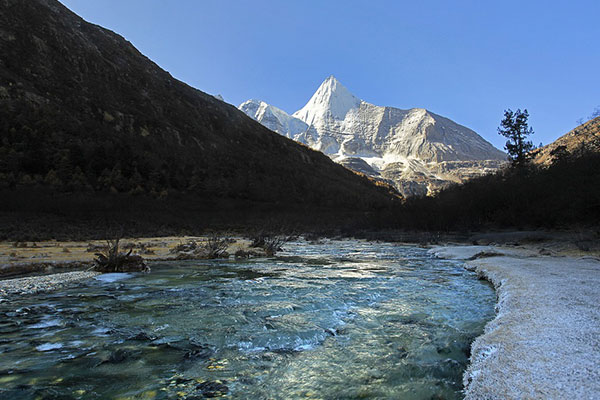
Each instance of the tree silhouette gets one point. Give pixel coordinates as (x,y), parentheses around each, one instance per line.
(514,127)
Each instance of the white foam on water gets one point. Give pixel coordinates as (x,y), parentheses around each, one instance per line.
(49,346)
(46,324)
(113,277)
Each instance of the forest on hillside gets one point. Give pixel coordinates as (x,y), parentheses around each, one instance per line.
(563,194)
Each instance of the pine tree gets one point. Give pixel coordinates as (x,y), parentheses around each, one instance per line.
(64,167)
(136,180)
(79,181)
(117,180)
(53,180)
(514,127)
(104,182)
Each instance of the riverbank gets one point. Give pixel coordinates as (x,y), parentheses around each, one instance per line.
(36,284)
(18,259)
(545,340)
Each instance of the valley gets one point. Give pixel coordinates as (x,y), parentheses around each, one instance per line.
(158,242)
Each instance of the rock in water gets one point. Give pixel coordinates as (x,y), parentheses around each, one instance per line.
(212,389)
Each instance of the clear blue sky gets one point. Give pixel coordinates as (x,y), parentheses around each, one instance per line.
(466,60)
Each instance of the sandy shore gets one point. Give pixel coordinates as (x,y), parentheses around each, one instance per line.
(545,340)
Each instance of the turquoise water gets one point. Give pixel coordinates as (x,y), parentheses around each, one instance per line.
(339,320)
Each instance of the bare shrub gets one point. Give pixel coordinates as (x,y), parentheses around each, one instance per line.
(111,260)
(216,247)
(269,242)
(144,249)
(94,248)
(190,246)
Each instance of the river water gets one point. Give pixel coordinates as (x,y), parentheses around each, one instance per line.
(337,320)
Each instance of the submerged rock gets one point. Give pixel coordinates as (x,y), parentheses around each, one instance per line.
(201,352)
(286,351)
(213,388)
(119,356)
(402,353)
(142,336)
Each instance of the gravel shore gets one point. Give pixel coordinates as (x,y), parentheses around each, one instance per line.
(545,340)
(36,284)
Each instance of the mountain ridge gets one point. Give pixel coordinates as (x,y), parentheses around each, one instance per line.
(406,147)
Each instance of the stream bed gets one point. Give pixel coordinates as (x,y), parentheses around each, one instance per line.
(337,320)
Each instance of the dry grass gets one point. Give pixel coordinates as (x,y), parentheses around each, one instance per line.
(80,254)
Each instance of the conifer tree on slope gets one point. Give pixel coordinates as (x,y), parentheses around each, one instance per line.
(514,126)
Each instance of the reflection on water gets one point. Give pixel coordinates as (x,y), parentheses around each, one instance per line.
(341,320)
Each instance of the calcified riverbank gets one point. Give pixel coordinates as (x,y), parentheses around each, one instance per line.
(45,283)
(545,340)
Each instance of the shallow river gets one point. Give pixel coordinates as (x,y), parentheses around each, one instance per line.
(339,320)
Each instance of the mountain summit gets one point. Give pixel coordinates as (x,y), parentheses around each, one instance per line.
(417,150)
(331,101)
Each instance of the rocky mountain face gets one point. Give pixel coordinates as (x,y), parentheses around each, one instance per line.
(82,110)
(585,137)
(418,151)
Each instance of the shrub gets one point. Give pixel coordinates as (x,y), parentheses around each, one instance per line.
(216,247)
(114,261)
(269,242)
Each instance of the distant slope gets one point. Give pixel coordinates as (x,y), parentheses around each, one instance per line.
(417,150)
(279,121)
(586,135)
(81,110)
(560,190)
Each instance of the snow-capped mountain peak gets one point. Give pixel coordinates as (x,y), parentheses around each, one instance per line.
(331,99)
(417,150)
(278,120)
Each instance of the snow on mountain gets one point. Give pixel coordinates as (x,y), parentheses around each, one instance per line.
(279,121)
(331,101)
(416,149)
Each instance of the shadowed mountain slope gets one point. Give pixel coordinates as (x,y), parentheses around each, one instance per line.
(81,110)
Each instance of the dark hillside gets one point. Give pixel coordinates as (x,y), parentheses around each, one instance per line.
(559,189)
(82,111)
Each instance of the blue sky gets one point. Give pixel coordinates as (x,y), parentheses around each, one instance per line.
(466,60)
